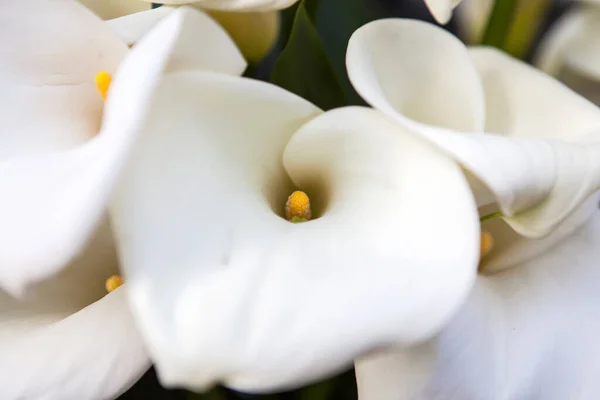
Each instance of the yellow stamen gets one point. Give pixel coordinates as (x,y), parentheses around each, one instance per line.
(487,242)
(103,80)
(113,283)
(297,207)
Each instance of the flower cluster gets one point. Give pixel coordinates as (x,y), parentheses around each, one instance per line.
(160,207)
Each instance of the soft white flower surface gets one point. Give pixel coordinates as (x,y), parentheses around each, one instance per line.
(226,290)
(530,148)
(61,154)
(529,332)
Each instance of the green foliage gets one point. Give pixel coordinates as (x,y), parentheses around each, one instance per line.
(304,67)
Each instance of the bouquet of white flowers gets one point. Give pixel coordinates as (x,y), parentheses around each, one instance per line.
(255,196)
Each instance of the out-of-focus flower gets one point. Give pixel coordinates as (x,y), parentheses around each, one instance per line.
(529,332)
(571,49)
(441,10)
(227,290)
(252,24)
(530,148)
(61,153)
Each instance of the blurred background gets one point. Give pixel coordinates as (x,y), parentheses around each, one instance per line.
(335,21)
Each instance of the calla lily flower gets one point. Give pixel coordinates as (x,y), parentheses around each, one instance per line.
(537,160)
(252,24)
(571,49)
(441,10)
(225,289)
(530,148)
(62,153)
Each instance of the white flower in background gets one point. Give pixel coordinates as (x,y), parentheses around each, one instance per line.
(227,290)
(441,10)
(61,153)
(529,332)
(252,24)
(530,148)
(571,49)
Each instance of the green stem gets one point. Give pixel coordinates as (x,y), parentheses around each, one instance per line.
(499,23)
(490,216)
(525,25)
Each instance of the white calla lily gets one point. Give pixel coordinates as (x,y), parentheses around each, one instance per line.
(59,165)
(226,290)
(528,332)
(61,156)
(526,329)
(539,160)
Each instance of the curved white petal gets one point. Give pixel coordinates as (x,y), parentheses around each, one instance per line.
(569,124)
(108,9)
(131,28)
(225,289)
(441,9)
(542,152)
(529,332)
(96,353)
(234,5)
(52,203)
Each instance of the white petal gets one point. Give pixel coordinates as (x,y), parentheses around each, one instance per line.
(441,9)
(527,333)
(131,28)
(512,249)
(569,124)
(107,9)
(234,5)
(225,289)
(51,204)
(96,353)
(393,62)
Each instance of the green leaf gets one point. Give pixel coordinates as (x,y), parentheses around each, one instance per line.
(304,67)
(499,23)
